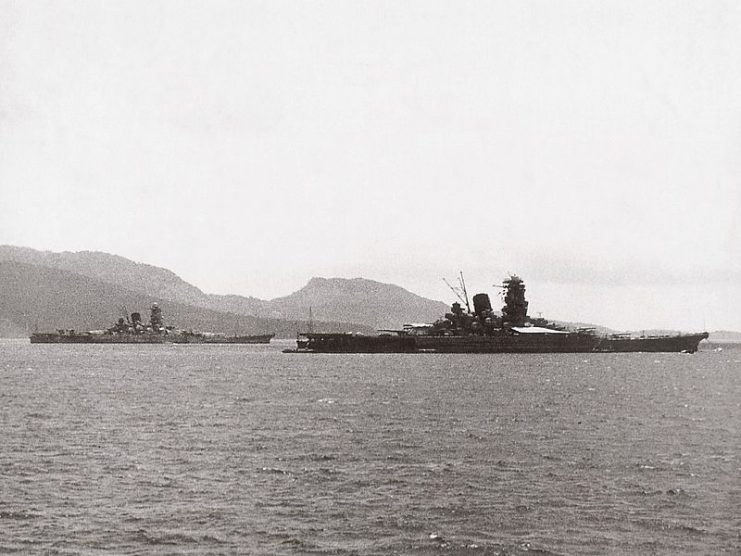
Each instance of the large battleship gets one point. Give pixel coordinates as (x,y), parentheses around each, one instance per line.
(132,330)
(482,330)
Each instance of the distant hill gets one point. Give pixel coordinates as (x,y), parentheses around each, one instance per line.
(363,305)
(366,302)
(358,300)
(137,277)
(33,296)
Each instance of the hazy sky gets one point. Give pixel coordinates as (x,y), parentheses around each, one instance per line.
(592,147)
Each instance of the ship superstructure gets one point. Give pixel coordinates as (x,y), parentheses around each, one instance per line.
(131,329)
(483,330)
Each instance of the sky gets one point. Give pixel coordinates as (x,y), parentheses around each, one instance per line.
(593,148)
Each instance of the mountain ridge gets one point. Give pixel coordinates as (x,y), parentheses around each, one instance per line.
(382,306)
(361,304)
(366,303)
(42,298)
(145,278)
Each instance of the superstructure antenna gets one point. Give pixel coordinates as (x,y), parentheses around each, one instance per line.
(460,291)
(502,287)
(454,290)
(465,293)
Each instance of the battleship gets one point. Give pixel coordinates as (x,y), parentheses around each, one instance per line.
(132,330)
(482,330)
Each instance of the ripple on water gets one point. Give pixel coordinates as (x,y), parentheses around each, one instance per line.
(134,450)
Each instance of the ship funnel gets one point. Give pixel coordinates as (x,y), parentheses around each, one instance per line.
(481,303)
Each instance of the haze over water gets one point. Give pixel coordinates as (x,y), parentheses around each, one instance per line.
(593,148)
(242,449)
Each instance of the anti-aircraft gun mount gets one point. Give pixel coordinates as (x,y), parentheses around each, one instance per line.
(483,319)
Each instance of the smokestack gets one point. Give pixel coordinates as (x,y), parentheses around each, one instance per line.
(481,303)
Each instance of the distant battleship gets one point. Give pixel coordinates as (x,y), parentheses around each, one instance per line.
(133,331)
(483,331)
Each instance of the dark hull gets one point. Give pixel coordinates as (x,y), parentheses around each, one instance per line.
(130,339)
(681,343)
(198,339)
(131,330)
(257,339)
(505,343)
(67,338)
(351,343)
(501,343)
(53,338)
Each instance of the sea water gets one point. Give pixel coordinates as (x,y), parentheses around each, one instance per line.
(212,449)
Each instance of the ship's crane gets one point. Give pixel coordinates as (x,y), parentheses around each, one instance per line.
(460,291)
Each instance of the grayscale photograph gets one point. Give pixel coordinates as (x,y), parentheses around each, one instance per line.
(368,278)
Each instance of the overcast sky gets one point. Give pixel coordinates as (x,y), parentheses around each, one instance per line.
(594,148)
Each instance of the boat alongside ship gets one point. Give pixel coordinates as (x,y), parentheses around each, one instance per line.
(481,330)
(131,330)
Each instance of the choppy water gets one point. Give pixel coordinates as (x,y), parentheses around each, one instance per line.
(243,449)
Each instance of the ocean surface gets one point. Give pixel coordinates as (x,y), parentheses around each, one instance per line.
(169,449)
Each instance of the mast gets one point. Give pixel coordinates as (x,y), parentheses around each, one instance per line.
(455,290)
(460,292)
(465,293)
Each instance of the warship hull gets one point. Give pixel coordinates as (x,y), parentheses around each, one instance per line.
(481,330)
(83,338)
(353,343)
(204,339)
(505,343)
(55,338)
(131,330)
(125,338)
(687,343)
(129,339)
